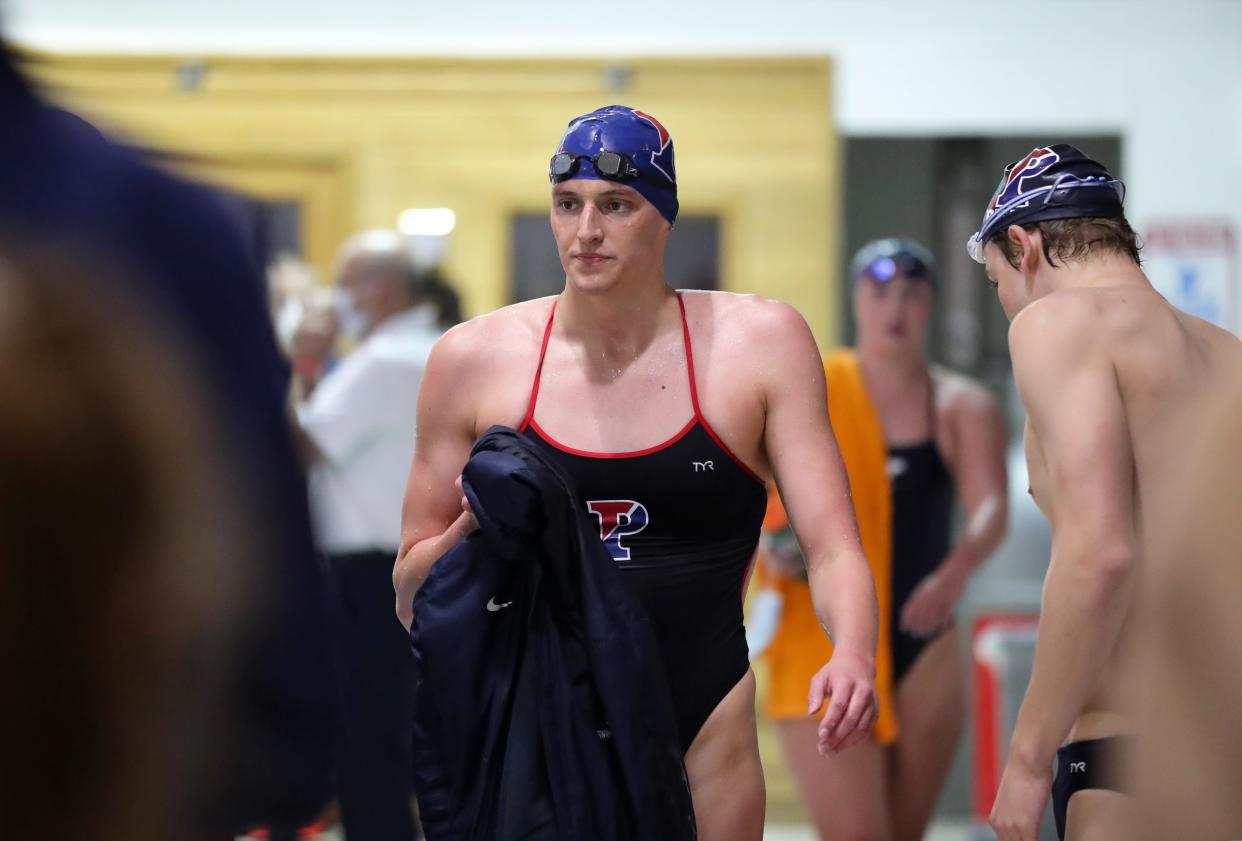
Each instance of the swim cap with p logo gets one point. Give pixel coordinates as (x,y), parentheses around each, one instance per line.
(617,143)
(1051,182)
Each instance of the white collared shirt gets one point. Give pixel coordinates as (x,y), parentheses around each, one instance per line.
(361,417)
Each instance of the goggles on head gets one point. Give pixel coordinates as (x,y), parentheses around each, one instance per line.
(886,268)
(612,166)
(881,260)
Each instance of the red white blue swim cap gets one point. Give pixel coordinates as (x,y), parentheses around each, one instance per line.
(641,154)
(1051,182)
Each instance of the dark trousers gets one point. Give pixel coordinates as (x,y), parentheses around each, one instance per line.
(375,679)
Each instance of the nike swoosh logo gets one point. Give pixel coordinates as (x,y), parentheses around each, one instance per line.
(492,606)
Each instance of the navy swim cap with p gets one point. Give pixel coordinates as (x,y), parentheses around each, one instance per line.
(640,138)
(1051,182)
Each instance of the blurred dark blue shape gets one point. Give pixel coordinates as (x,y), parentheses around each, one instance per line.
(66,188)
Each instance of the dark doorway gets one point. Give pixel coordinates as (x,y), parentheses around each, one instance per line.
(934,189)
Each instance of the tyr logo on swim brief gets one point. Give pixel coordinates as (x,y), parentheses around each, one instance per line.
(618,518)
(1078,767)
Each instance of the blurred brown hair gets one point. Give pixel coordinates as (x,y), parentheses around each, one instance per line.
(1075,239)
(117,566)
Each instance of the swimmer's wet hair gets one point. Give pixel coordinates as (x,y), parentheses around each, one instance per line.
(1074,239)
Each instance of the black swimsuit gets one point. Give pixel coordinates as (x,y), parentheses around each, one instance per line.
(682,520)
(922,490)
(1092,763)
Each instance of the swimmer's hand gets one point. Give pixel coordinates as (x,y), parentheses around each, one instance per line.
(473,523)
(930,607)
(847,684)
(409,574)
(1020,801)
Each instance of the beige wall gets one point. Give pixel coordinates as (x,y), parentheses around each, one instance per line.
(358,140)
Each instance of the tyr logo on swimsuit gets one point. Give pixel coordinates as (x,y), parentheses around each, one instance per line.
(618,518)
(1078,767)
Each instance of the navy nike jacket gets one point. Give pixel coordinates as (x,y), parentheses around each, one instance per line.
(541,709)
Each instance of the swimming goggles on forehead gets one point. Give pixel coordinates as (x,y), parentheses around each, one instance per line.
(612,166)
(889,266)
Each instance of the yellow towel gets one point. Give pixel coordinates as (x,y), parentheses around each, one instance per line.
(800,648)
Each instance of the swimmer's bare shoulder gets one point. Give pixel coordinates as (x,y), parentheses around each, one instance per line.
(480,372)
(1057,327)
(1078,438)
(1122,321)
(751,354)
(746,326)
(1047,338)
(1158,353)
(970,424)
(960,395)
(734,304)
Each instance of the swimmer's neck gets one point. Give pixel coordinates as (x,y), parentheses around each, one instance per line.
(617,323)
(1095,272)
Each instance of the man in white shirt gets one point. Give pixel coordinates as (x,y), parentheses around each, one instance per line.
(359,430)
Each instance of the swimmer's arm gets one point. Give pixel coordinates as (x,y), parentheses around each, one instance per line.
(982,481)
(1078,418)
(433,518)
(979,476)
(811,477)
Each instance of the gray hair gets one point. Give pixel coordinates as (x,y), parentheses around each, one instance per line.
(384,252)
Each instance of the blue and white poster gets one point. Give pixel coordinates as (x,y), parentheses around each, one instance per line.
(1194,263)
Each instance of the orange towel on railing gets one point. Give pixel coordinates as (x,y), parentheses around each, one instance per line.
(800,648)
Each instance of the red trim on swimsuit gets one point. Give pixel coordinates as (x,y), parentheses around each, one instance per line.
(529,421)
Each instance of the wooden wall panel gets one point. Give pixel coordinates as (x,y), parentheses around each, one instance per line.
(356,141)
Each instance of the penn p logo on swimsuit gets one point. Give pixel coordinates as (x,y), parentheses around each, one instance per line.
(618,519)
